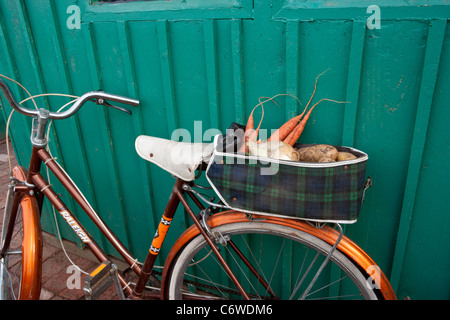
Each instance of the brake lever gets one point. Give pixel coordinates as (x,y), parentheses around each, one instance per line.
(106,103)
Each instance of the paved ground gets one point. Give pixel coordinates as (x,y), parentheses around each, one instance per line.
(55,275)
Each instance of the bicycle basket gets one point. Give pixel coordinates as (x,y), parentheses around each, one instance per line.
(325,192)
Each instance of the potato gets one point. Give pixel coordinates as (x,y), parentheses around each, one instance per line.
(316,152)
(326,159)
(342,156)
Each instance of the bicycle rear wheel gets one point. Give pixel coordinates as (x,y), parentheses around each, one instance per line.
(284,262)
(21,267)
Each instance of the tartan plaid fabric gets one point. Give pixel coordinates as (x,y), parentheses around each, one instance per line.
(325,193)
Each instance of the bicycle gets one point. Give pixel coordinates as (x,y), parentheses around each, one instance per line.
(224,254)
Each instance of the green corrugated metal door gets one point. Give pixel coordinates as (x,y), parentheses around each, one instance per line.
(207,63)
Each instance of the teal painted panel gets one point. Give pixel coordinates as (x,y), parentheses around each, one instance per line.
(429,236)
(390,82)
(194,69)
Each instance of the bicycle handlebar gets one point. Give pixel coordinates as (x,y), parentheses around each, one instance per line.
(100,96)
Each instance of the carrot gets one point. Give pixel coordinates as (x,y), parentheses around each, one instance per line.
(285,129)
(267,99)
(254,134)
(290,134)
(315,88)
(295,134)
(250,133)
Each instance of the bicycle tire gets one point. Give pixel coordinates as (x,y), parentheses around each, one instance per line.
(179,285)
(23,259)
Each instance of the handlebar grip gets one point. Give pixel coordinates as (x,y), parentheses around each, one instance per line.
(116,98)
(89,96)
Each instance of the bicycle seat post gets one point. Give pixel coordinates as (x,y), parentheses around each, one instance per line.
(39,124)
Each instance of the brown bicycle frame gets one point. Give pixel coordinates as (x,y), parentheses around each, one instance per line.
(34,179)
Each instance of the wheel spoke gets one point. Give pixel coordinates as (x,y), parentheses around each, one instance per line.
(272,256)
(304,276)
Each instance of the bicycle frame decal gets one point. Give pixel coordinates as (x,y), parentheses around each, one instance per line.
(160,235)
(75,226)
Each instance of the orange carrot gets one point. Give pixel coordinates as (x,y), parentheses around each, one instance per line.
(250,133)
(295,134)
(285,129)
(254,134)
(290,135)
(295,131)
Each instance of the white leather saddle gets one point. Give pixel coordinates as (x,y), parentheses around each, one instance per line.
(181,159)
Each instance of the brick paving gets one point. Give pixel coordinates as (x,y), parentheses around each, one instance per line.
(55,273)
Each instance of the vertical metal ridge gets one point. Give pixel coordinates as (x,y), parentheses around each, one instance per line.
(36,70)
(104,124)
(14,73)
(238,70)
(434,44)
(32,52)
(209,36)
(133,91)
(353,82)
(29,42)
(165,54)
(78,139)
(124,42)
(292,67)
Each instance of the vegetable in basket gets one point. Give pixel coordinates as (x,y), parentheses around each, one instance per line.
(273,149)
(280,143)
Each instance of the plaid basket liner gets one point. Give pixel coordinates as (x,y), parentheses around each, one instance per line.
(326,193)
